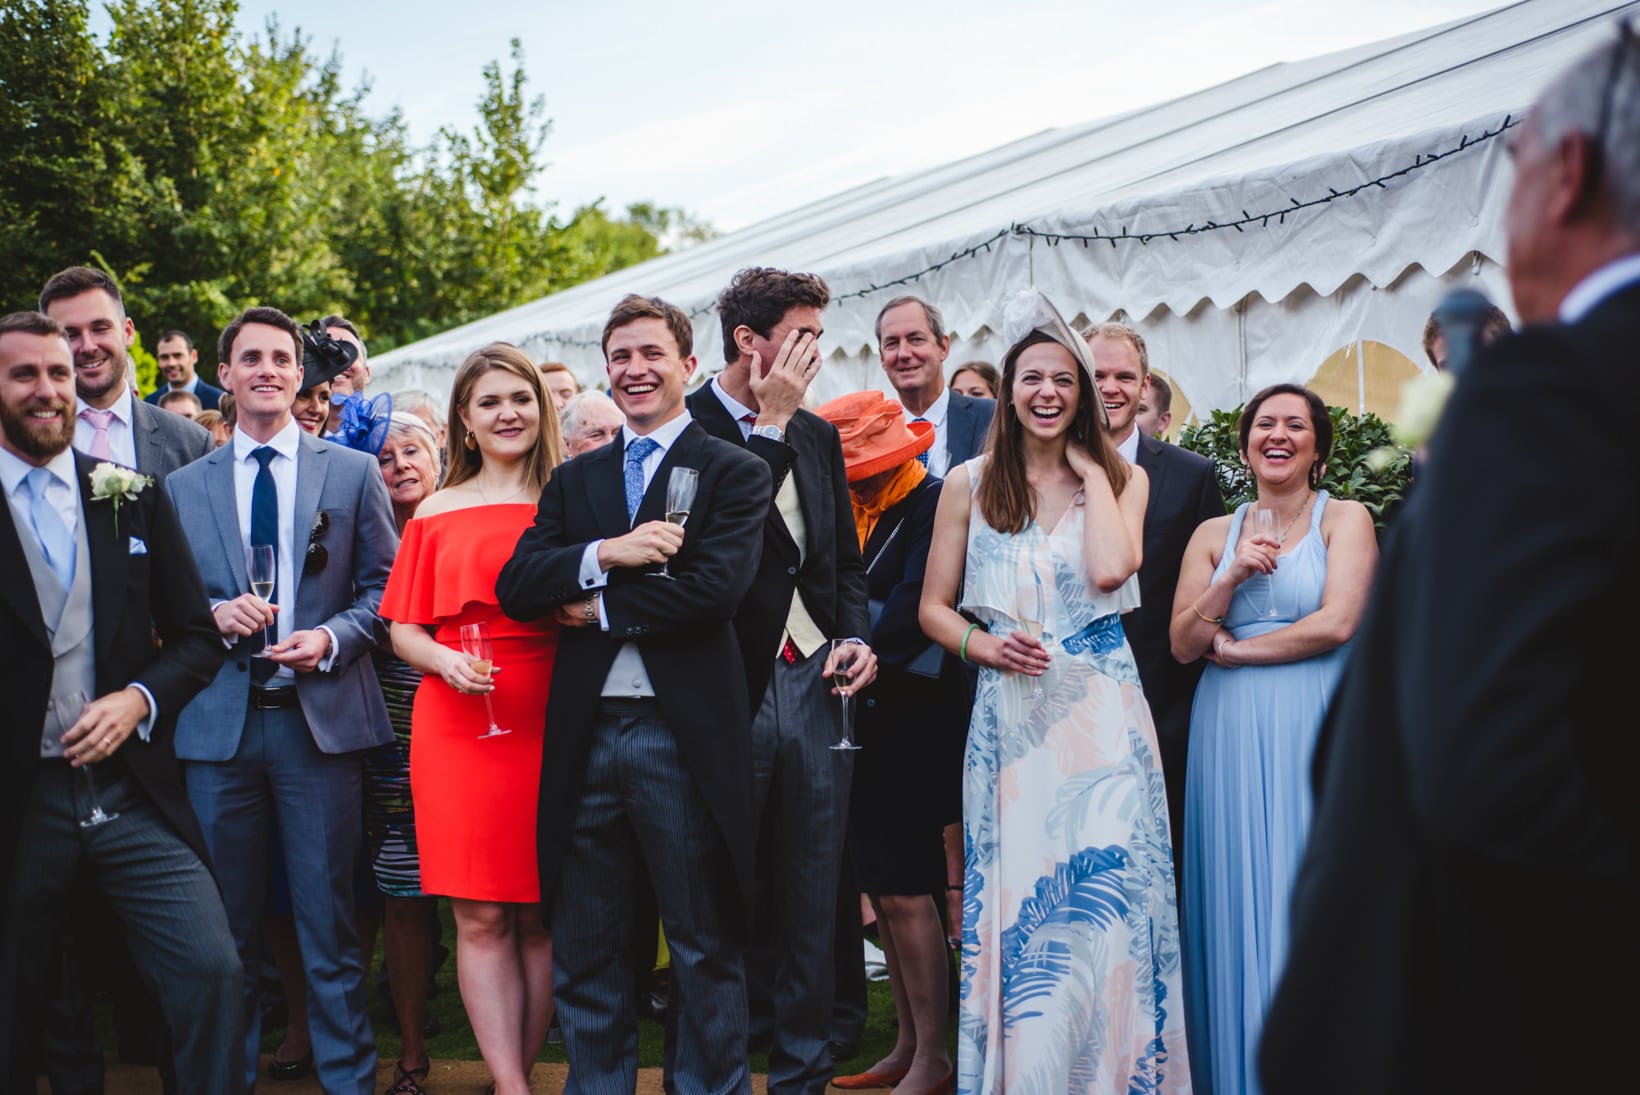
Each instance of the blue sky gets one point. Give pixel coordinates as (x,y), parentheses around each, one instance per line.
(738,110)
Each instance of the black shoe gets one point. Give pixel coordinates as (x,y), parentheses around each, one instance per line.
(842,1051)
(652,1006)
(290,1070)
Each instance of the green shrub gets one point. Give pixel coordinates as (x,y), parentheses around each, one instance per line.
(1349,473)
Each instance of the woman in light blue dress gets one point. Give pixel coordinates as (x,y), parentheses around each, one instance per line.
(1272,608)
(1071,978)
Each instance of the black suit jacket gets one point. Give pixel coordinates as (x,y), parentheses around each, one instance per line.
(134,598)
(209,395)
(967,421)
(831,578)
(1184,492)
(682,627)
(1466,905)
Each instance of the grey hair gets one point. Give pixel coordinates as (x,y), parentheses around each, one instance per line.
(409,424)
(417,401)
(569,419)
(1573,103)
(936,322)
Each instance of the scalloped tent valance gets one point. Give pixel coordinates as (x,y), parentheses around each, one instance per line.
(1307,181)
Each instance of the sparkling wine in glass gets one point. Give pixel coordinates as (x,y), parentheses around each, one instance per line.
(680,495)
(1032,612)
(480,651)
(843,652)
(1264,523)
(68,710)
(263,567)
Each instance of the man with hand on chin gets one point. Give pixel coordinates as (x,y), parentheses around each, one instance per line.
(648,763)
(810,589)
(275,738)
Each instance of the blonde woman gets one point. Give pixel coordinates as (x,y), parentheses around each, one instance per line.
(475,792)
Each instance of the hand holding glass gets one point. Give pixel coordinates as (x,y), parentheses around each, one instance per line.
(263,567)
(680,495)
(1033,610)
(843,655)
(1264,523)
(68,710)
(476,644)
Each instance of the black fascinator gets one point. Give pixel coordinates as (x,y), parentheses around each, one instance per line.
(324,358)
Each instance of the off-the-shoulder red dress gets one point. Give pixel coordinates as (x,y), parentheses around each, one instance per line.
(475,798)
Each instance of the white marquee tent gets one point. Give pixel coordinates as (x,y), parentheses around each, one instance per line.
(1234,255)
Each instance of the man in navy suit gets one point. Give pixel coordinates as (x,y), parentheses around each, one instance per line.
(178,362)
(275,740)
(913,346)
(648,758)
(1466,903)
(1184,492)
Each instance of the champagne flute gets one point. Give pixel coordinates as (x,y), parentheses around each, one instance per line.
(1264,523)
(680,495)
(263,567)
(840,678)
(476,644)
(1032,610)
(68,710)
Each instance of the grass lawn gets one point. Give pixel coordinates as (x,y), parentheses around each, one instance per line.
(455,1038)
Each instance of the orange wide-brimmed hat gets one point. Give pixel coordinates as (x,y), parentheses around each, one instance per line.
(876,436)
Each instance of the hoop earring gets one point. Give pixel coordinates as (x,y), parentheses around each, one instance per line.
(472,446)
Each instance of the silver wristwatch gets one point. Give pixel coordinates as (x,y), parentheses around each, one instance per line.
(773,433)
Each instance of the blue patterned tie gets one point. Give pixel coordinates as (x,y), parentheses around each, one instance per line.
(636,454)
(265,530)
(922,457)
(55,540)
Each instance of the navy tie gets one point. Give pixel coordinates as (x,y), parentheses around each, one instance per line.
(922,457)
(636,454)
(265,530)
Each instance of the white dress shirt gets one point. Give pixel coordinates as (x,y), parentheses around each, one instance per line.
(1129,448)
(939,457)
(737,410)
(122,438)
(63,495)
(1602,283)
(594,576)
(292,549)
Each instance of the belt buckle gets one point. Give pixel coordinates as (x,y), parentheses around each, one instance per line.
(272,699)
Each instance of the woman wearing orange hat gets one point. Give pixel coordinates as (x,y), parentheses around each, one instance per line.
(1071,973)
(908,773)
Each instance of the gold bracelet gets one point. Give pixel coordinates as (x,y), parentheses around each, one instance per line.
(1216,621)
(1219,650)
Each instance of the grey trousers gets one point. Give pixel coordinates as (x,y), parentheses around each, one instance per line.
(165,901)
(640,809)
(801,788)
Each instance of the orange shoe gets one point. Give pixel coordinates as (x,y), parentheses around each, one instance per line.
(862,1081)
(947,1086)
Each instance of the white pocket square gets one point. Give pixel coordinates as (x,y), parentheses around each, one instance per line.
(138,547)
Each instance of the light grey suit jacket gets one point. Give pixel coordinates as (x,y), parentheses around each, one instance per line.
(343,705)
(166,441)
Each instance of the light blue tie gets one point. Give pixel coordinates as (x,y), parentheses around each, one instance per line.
(55,540)
(636,454)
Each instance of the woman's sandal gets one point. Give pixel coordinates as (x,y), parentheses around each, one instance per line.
(407,1081)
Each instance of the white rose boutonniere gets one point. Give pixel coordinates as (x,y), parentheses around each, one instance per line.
(112,483)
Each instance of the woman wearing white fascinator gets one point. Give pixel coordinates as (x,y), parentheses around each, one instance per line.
(1070,940)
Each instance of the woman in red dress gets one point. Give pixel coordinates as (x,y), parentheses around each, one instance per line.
(475,793)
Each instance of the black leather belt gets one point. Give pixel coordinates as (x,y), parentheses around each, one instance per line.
(273,699)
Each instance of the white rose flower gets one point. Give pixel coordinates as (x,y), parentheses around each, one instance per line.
(113,484)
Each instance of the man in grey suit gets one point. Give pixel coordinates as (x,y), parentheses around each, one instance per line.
(274,739)
(913,345)
(112,423)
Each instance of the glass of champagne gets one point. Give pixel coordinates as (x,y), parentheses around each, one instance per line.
(1032,612)
(263,567)
(1264,523)
(843,652)
(68,710)
(476,644)
(680,495)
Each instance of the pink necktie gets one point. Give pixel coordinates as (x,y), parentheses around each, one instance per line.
(99,441)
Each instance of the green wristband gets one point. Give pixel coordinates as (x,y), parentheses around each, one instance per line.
(965,634)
